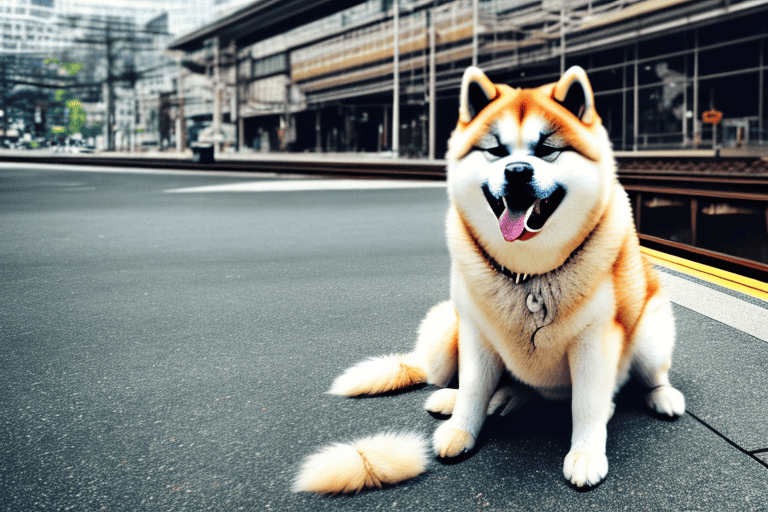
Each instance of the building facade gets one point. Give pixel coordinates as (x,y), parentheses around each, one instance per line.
(28,27)
(657,67)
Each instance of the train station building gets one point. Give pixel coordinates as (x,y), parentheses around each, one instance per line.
(319,75)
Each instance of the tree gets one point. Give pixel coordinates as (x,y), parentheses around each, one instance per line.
(68,109)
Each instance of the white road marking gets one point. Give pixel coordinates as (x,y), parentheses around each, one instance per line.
(132,170)
(308,184)
(284,183)
(724,308)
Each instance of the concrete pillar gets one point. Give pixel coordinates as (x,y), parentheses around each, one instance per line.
(181,125)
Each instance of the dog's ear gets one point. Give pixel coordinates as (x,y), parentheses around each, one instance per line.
(574,92)
(477,91)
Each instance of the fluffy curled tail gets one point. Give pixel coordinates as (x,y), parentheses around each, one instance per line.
(386,458)
(369,462)
(379,375)
(433,360)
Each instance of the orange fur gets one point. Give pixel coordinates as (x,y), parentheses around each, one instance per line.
(526,102)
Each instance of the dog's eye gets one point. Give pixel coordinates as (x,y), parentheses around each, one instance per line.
(545,150)
(498,151)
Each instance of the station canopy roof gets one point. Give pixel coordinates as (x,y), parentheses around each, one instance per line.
(261,20)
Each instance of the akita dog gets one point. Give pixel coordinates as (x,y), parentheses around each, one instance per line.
(547,283)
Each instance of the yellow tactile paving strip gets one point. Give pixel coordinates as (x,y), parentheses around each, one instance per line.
(751,287)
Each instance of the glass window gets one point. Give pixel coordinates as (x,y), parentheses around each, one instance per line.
(579,60)
(661,115)
(672,69)
(736,96)
(526,78)
(664,45)
(607,80)
(270,65)
(688,114)
(729,58)
(610,109)
(732,29)
(629,97)
(764,92)
(630,70)
(607,58)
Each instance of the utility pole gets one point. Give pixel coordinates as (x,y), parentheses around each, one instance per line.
(235,115)
(181,123)
(217,94)
(109,93)
(432,85)
(396,87)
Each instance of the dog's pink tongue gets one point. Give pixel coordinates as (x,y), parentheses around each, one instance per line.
(512,226)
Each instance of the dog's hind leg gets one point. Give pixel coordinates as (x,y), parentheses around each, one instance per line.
(653,341)
(433,360)
(438,343)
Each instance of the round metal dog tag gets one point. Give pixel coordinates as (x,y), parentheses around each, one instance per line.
(533,302)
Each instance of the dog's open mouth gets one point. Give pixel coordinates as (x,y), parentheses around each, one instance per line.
(521,215)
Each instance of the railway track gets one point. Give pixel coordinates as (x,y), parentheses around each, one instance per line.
(691,187)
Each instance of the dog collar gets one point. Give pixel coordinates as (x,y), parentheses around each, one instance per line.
(517,277)
(501,269)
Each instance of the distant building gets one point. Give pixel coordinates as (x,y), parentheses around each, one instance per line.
(188,15)
(183,15)
(325,84)
(29,27)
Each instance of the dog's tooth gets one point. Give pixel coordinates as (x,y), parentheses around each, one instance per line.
(525,276)
(517,278)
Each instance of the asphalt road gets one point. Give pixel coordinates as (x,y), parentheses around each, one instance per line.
(171,351)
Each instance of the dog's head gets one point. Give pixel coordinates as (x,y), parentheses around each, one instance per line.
(530,170)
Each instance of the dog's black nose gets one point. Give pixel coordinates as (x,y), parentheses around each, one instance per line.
(518,189)
(518,174)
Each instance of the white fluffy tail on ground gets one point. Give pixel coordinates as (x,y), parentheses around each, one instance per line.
(433,360)
(365,463)
(378,375)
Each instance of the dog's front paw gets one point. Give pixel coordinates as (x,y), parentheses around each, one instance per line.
(451,442)
(667,401)
(583,468)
